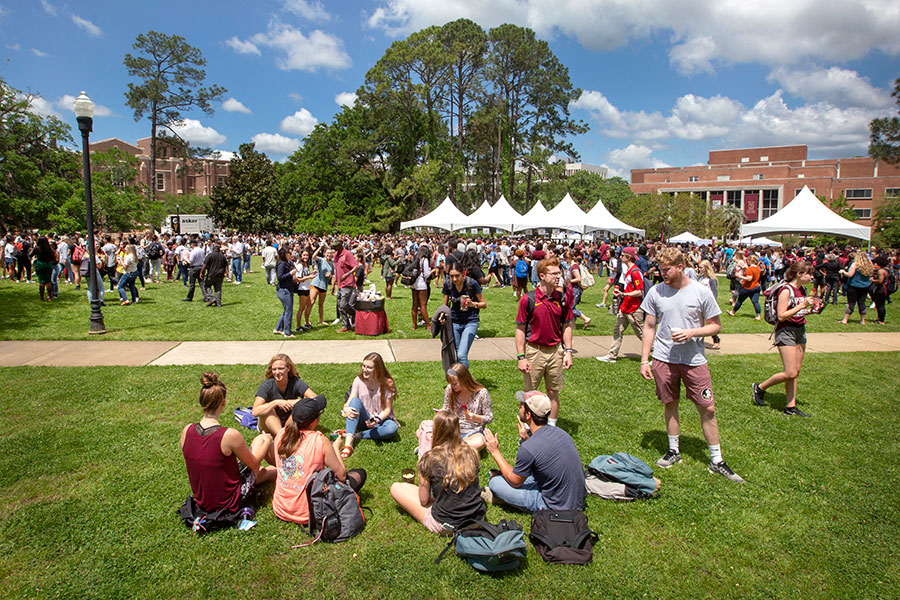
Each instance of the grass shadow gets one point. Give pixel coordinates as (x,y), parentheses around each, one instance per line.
(690,445)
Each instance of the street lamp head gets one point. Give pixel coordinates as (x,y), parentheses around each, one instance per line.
(83,106)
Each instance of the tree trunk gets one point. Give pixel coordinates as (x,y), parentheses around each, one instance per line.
(153,123)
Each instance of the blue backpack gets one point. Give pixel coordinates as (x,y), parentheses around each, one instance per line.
(489,548)
(244,416)
(626,469)
(521,268)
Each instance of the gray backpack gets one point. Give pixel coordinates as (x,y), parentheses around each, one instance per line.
(335,514)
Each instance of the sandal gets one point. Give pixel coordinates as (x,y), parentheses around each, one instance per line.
(346,452)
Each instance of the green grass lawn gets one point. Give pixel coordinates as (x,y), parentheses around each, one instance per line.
(250,311)
(90,481)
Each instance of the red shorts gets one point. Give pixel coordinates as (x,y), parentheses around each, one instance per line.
(697,383)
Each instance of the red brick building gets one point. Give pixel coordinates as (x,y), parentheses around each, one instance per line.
(760,181)
(174,175)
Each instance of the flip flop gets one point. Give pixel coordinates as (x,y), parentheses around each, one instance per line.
(346,451)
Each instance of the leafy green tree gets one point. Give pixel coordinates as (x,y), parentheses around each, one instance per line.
(886,225)
(251,199)
(170,77)
(672,213)
(37,174)
(885,134)
(584,187)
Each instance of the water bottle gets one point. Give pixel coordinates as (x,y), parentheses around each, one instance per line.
(248,512)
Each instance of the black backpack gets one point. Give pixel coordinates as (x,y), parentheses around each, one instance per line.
(563,536)
(154,250)
(335,514)
(409,273)
(890,282)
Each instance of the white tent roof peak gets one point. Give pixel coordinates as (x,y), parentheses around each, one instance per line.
(565,215)
(499,216)
(600,219)
(445,216)
(807,214)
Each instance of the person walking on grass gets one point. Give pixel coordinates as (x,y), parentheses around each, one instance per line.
(195,265)
(859,279)
(679,314)
(545,351)
(214,266)
(129,275)
(630,291)
(749,279)
(791,307)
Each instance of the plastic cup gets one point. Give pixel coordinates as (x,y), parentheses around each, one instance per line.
(408,475)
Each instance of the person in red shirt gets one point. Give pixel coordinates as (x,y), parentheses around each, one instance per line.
(630,295)
(546,350)
(345,281)
(750,286)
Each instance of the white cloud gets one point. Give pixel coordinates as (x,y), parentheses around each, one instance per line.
(234,105)
(275,143)
(633,156)
(39,53)
(91,29)
(194,132)
(241,46)
(223,154)
(301,52)
(346,99)
(702,33)
(312,11)
(49,8)
(300,123)
(40,106)
(13,47)
(837,86)
(295,97)
(67,102)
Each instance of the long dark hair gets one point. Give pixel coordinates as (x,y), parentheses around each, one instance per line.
(283,253)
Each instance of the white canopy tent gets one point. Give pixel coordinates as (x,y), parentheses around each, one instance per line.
(499,216)
(535,218)
(445,216)
(689,238)
(760,241)
(600,219)
(566,215)
(806,214)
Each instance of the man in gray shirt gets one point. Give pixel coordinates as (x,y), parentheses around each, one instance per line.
(195,265)
(679,314)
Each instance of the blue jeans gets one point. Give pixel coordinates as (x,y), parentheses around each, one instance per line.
(236,268)
(247,263)
(527,496)
(284,321)
(464,335)
(54,280)
(127,280)
(576,298)
(743,294)
(383,431)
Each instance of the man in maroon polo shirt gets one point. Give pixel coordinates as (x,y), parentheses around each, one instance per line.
(547,349)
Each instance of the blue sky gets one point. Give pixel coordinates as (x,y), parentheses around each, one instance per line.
(664,81)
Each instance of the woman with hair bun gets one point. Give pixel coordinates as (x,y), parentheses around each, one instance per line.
(211,453)
(448,494)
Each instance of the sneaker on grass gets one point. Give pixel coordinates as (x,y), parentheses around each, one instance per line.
(759,396)
(668,459)
(606,359)
(725,471)
(793,411)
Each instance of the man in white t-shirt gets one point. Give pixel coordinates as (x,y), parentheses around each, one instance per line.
(679,314)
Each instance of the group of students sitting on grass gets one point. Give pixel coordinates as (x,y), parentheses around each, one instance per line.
(547,473)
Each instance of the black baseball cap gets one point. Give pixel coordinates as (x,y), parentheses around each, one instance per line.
(307,410)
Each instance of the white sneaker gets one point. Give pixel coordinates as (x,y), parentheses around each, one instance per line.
(336,322)
(606,359)
(601,305)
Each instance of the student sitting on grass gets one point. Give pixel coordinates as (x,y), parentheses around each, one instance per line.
(448,494)
(276,395)
(211,454)
(369,409)
(300,452)
(471,403)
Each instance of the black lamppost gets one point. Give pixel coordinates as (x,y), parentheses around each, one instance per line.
(84,112)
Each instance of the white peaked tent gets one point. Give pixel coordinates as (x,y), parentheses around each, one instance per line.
(688,238)
(499,216)
(566,215)
(445,216)
(534,218)
(806,214)
(600,219)
(760,241)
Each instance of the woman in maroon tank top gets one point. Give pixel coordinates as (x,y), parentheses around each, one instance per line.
(211,452)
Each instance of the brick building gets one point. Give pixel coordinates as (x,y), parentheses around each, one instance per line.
(174,175)
(760,181)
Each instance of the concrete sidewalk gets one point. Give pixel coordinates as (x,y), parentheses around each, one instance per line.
(112,353)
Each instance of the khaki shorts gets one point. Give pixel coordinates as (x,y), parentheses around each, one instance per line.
(547,363)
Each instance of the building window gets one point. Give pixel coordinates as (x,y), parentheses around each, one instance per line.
(220,181)
(763,159)
(769,203)
(863,213)
(891,192)
(734,198)
(723,178)
(160,182)
(858,194)
(745,159)
(693,178)
(758,177)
